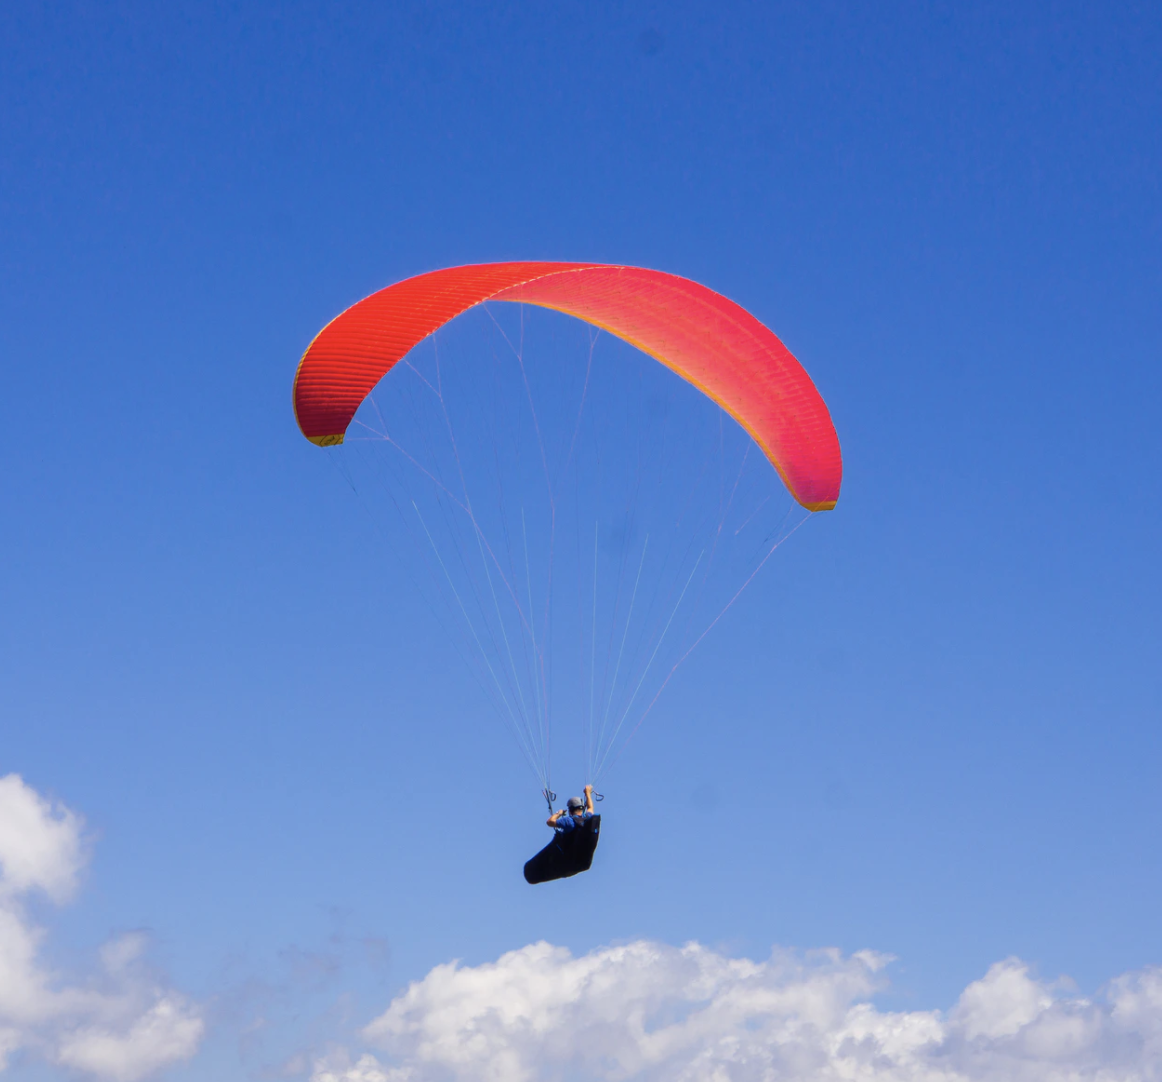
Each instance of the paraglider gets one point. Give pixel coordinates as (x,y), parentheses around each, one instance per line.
(484,561)
(576,829)
(708,340)
(574,814)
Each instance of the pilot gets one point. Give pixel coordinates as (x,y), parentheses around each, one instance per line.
(578,812)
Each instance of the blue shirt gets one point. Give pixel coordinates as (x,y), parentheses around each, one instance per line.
(567,822)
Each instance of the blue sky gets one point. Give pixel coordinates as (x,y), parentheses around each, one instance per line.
(930,731)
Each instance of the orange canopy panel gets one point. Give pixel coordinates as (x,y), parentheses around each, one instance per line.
(708,340)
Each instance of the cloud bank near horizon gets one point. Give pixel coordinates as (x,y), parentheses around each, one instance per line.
(646,1011)
(636,1012)
(118,1023)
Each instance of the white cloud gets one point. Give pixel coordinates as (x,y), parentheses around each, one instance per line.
(1002,1002)
(646,1011)
(167,1032)
(40,842)
(118,1024)
(338,1068)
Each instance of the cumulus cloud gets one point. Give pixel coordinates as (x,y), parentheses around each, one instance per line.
(338,1067)
(165,1033)
(645,1011)
(40,843)
(118,1024)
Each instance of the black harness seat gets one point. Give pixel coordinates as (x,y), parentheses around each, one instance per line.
(570,852)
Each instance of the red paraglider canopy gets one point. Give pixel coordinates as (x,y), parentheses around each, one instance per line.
(708,340)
